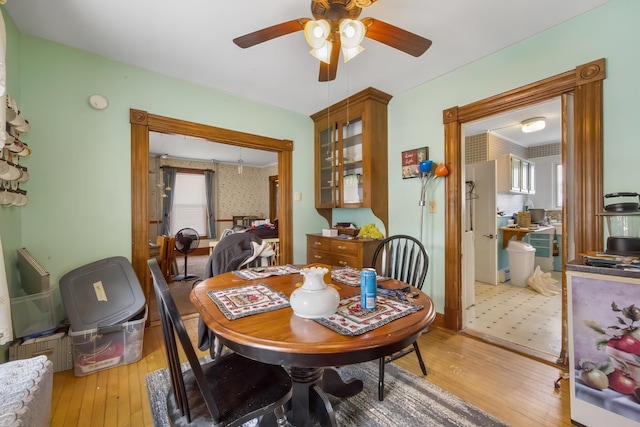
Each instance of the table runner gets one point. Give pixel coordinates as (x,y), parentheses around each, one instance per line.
(350,276)
(262,272)
(246,300)
(352,319)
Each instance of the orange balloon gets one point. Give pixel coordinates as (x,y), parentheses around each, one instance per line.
(441,170)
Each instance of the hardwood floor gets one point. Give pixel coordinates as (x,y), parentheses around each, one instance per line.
(514,388)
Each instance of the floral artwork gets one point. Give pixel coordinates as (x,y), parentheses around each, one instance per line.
(606,338)
(411,161)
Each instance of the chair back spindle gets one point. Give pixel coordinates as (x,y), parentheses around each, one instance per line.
(402,258)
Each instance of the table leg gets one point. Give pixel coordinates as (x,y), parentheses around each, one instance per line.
(310,399)
(333,384)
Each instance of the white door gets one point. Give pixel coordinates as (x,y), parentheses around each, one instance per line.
(484,219)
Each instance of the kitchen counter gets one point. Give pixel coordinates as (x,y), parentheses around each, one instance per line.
(520,232)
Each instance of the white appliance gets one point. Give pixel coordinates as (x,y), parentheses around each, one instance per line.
(468,271)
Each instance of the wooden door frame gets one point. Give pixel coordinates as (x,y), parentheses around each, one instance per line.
(141,124)
(273,197)
(585,83)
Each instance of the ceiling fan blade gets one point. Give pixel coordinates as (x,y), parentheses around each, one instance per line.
(269,33)
(328,71)
(395,37)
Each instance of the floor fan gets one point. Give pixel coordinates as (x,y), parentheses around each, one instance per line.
(187,240)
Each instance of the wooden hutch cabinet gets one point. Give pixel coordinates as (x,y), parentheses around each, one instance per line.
(351,155)
(336,251)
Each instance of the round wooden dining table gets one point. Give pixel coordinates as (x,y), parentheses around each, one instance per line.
(305,347)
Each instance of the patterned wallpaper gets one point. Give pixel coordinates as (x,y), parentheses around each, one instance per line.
(245,194)
(475,148)
(498,146)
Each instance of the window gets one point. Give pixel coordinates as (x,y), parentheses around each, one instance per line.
(189,203)
(558,185)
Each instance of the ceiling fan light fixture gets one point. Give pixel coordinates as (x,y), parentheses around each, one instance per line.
(350,52)
(323,53)
(317,32)
(351,33)
(364,3)
(533,125)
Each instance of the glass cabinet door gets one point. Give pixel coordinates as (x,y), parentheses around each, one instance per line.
(350,169)
(524,184)
(327,156)
(515,173)
(532,178)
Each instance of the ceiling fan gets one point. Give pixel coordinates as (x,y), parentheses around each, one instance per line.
(336,28)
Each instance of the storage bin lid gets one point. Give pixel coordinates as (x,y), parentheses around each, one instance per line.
(104,293)
(517,246)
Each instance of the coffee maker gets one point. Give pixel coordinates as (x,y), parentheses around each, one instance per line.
(623,224)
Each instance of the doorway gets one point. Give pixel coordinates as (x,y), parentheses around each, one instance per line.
(583,178)
(504,309)
(142,123)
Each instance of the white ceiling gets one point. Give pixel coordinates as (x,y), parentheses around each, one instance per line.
(177,146)
(508,125)
(192,40)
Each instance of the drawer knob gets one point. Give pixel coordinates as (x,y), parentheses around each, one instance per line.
(342,262)
(342,248)
(317,243)
(317,256)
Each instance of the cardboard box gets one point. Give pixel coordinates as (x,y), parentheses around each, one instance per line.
(329,232)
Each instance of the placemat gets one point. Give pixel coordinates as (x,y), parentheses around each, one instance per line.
(352,319)
(350,276)
(244,301)
(262,272)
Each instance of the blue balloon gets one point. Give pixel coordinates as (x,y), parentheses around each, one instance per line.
(426,165)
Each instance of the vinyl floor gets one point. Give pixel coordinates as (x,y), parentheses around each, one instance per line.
(518,315)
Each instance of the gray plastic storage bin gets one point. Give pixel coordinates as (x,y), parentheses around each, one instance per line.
(95,351)
(107,312)
(102,294)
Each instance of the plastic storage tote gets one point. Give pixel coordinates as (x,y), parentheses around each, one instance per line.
(95,351)
(107,312)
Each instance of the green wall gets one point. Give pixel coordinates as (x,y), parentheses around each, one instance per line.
(79,187)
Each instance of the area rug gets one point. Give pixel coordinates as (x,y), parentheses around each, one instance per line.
(409,401)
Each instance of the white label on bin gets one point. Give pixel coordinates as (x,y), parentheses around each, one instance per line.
(99,290)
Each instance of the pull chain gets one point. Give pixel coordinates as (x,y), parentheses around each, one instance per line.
(329,125)
(347,73)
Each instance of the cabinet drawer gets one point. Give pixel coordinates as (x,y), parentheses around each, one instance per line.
(344,247)
(540,241)
(331,258)
(314,255)
(345,261)
(318,243)
(543,253)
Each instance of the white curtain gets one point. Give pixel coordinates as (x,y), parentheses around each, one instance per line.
(6,329)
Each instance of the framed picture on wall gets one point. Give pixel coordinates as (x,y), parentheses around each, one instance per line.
(411,161)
